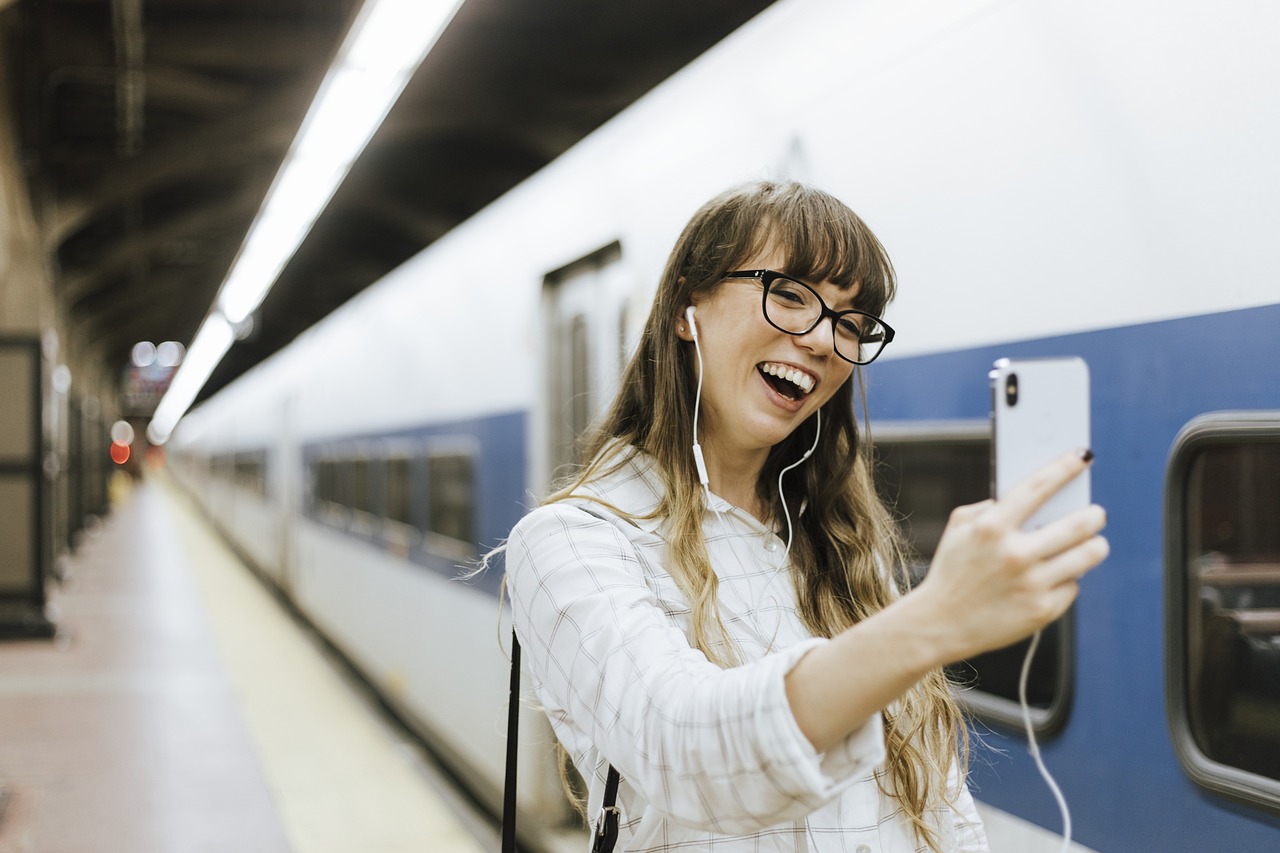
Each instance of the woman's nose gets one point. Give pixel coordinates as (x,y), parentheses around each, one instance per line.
(820,339)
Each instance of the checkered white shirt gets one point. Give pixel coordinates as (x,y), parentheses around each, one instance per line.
(711,759)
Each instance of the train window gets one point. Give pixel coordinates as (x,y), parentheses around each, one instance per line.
(345,481)
(360,487)
(451,500)
(250,471)
(399,503)
(224,467)
(330,482)
(924,471)
(326,481)
(1222,563)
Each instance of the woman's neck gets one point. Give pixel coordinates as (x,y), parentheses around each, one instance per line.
(733,475)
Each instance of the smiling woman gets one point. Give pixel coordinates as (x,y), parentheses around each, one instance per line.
(749,692)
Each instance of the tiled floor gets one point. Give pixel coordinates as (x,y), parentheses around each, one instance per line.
(180,709)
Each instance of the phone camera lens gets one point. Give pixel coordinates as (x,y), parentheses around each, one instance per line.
(1011,389)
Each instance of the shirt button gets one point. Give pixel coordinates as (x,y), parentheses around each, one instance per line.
(771,546)
(862,848)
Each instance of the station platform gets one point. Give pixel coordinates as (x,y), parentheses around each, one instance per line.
(180,708)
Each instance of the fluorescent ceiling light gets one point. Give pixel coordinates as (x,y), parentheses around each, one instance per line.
(211,344)
(385,46)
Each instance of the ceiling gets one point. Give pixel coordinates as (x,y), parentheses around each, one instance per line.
(151,130)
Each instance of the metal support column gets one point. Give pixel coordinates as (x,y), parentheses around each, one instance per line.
(24,511)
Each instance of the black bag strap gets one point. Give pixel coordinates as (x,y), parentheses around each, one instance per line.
(607,822)
(606,825)
(513,730)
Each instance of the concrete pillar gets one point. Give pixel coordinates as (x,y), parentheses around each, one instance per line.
(28,322)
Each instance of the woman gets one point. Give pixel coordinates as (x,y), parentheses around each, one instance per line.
(715,605)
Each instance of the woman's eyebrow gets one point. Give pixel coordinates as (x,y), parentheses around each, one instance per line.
(846,300)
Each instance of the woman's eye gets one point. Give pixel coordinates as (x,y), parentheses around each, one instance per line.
(849,327)
(788,294)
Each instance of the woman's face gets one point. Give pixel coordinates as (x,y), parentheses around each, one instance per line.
(746,405)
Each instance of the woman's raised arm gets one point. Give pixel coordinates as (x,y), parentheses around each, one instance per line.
(990,584)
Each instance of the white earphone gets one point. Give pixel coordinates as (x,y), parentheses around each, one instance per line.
(703,478)
(786,512)
(701,463)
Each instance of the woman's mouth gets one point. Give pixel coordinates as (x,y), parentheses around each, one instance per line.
(790,382)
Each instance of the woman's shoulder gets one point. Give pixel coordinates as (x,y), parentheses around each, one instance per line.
(571,532)
(621,500)
(627,485)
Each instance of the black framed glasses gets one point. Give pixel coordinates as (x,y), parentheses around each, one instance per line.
(796,308)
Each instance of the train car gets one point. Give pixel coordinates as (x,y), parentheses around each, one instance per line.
(1091,178)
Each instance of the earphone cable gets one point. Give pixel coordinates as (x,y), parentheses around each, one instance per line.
(1034,747)
(786,513)
(698,459)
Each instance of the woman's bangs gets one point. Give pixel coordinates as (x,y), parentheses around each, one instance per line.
(826,246)
(820,237)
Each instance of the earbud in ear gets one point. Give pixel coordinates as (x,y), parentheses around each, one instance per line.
(693,327)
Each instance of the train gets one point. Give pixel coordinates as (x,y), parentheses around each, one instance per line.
(1096,179)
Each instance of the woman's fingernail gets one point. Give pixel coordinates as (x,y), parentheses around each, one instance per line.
(1087,454)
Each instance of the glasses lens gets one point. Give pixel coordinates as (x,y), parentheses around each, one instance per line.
(792,306)
(795,308)
(859,337)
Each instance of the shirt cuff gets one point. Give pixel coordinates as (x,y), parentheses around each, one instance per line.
(824,775)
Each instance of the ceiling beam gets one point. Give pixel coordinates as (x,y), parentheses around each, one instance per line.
(251,46)
(265,131)
(144,243)
(158,304)
(193,91)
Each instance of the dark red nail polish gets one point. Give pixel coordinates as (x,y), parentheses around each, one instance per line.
(1087,454)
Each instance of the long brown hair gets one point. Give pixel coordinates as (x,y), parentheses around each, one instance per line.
(848,558)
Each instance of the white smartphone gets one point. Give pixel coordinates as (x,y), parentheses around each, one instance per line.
(1039,410)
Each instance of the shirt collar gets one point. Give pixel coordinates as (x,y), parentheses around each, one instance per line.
(636,488)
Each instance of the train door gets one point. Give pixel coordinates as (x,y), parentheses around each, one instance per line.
(584,338)
(584,310)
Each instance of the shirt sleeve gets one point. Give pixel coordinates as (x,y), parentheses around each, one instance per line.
(713,749)
(970,832)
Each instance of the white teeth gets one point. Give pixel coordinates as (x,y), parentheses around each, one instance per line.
(798,377)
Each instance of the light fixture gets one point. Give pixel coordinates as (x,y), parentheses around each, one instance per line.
(143,354)
(211,344)
(169,354)
(386,44)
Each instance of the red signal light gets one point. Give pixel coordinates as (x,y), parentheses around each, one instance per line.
(119,453)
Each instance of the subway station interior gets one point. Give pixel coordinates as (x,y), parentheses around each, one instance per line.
(304,304)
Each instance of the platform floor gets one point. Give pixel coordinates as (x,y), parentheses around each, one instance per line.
(180,709)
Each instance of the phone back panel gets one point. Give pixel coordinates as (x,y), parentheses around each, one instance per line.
(1046,415)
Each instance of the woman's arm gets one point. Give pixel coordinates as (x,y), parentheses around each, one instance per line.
(990,584)
(710,748)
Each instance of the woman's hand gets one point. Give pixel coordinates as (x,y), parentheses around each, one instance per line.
(993,583)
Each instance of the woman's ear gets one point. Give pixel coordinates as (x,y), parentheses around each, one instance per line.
(686,325)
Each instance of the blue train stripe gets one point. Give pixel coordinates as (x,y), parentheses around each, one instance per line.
(1115,760)
(500,475)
